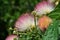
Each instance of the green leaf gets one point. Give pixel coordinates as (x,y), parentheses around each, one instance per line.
(52,32)
(56,13)
(59,28)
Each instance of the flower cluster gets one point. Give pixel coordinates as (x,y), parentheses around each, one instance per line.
(27,21)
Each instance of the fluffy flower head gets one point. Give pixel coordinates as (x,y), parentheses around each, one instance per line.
(24,22)
(43,7)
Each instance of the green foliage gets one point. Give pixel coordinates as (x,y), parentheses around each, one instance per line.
(52,31)
(56,13)
(31,35)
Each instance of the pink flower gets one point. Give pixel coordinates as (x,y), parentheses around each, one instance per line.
(56,2)
(24,22)
(51,1)
(11,37)
(43,7)
(44,22)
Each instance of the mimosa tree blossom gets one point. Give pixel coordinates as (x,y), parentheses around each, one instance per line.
(24,22)
(11,37)
(43,7)
(51,1)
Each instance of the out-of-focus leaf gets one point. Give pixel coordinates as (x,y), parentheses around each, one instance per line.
(59,28)
(56,13)
(52,32)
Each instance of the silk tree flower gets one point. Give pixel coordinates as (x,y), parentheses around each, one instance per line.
(44,22)
(43,7)
(24,22)
(55,2)
(11,37)
(51,1)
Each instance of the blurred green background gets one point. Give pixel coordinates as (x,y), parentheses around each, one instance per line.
(10,10)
